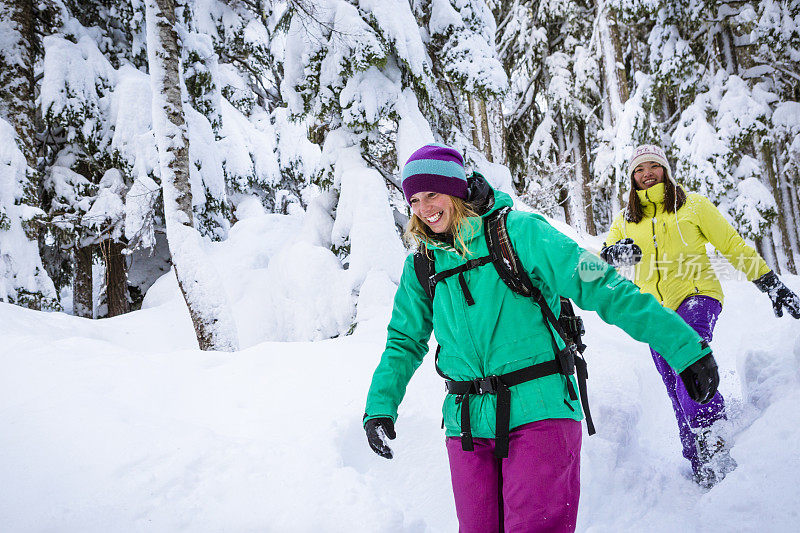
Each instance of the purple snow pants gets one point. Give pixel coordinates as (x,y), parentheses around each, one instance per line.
(701,313)
(535,489)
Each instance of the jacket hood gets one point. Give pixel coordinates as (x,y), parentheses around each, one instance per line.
(483,198)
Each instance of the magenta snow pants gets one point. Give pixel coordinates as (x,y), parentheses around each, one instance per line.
(535,489)
(701,313)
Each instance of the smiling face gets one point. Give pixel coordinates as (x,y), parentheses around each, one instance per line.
(434,209)
(648,174)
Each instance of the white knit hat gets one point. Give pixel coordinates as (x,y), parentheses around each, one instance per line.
(649,152)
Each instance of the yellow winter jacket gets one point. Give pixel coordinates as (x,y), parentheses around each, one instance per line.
(674,262)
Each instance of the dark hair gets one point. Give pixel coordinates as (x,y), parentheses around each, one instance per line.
(674,198)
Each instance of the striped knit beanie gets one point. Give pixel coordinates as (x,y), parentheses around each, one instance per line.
(651,153)
(435,168)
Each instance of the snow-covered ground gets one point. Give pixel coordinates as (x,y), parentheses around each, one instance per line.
(123,425)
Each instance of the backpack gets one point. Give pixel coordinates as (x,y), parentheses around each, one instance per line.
(568,326)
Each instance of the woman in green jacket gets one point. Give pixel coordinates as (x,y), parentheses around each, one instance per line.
(486,332)
(664,231)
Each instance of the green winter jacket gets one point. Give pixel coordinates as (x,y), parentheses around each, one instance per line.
(674,262)
(503,331)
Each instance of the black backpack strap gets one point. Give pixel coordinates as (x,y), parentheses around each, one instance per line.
(504,257)
(459,271)
(512,272)
(510,268)
(425,268)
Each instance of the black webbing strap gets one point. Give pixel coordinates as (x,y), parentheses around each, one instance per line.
(583,375)
(465,289)
(511,271)
(500,386)
(466,429)
(502,420)
(459,270)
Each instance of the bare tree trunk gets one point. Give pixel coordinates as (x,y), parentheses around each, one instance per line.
(787,212)
(622,77)
(17,104)
(564,197)
(82,284)
(116,278)
(500,134)
(782,245)
(563,201)
(487,139)
(613,68)
(767,250)
(473,113)
(726,47)
(583,178)
(201,288)
(794,199)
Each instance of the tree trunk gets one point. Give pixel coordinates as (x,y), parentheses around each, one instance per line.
(17,104)
(473,113)
(116,278)
(726,47)
(563,201)
(794,201)
(18,108)
(82,304)
(500,134)
(564,196)
(584,177)
(786,212)
(201,288)
(622,77)
(616,80)
(783,244)
(767,250)
(487,139)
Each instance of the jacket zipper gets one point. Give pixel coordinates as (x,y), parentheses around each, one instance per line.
(655,245)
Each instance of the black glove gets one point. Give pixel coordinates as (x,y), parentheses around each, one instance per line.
(779,293)
(378,429)
(701,379)
(624,253)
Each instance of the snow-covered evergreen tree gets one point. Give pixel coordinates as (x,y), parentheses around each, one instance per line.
(76,100)
(377,79)
(23,279)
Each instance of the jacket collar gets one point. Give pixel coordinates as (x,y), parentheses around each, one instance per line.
(652,199)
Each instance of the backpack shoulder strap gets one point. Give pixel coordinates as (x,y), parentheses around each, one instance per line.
(425,269)
(511,271)
(510,268)
(504,257)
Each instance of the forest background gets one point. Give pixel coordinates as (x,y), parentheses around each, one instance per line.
(133,132)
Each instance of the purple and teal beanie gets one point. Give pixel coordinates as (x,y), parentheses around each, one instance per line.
(436,168)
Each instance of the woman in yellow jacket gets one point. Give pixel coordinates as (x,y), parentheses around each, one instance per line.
(664,231)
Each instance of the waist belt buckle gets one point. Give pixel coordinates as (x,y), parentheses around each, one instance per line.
(487,385)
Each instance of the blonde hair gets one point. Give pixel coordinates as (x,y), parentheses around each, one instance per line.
(418,233)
